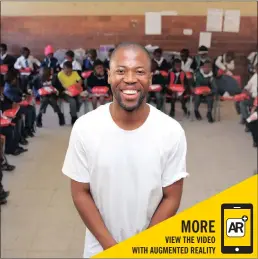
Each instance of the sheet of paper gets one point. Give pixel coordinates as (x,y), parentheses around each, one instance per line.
(169,13)
(231,21)
(214,20)
(153,23)
(187,31)
(205,39)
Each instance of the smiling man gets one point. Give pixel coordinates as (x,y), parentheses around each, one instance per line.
(126,159)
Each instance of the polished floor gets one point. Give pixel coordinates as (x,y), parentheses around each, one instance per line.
(40,221)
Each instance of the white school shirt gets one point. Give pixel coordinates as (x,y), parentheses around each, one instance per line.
(21,62)
(126,170)
(251,86)
(76,65)
(222,64)
(186,66)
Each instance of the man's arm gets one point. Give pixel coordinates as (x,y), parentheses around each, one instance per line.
(77,169)
(169,204)
(90,215)
(172,179)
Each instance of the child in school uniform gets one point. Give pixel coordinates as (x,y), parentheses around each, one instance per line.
(162,64)
(178,76)
(224,64)
(13,94)
(26,60)
(200,58)
(99,77)
(44,79)
(186,60)
(50,61)
(157,79)
(5,59)
(204,77)
(67,77)
(88,63)
(76,66)
(251,90)
(107,60)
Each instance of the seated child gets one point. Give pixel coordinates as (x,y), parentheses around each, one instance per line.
(11,134)
(177,76)
(162,64)
(200,58)
(107,60)
(26,61)
(5,59)
(88,63)
(251,90)
(44,79)
(76,66)
(224,63)
(50,61)
(204,77)
(157,79)
(252,62)
(67,77)
(186,60)
(13,95)
(99,77)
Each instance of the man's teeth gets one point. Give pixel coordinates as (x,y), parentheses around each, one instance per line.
(129,91)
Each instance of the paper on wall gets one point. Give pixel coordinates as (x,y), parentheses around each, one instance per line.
(205,39)
(169,13)
(232,21)
(153,24)
(214,19)
(187,31)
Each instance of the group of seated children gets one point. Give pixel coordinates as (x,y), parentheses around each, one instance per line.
(189,73)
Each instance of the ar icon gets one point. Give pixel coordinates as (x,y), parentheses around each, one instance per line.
(236,227)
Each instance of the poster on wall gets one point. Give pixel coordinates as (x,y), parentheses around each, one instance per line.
(231,21)
(153,23)
(214,20)
(205,39)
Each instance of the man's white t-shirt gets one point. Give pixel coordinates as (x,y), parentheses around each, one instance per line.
(126,170)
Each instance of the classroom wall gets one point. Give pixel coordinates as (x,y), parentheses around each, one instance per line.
(90,24)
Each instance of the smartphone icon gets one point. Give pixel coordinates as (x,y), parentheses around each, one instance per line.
(237,228)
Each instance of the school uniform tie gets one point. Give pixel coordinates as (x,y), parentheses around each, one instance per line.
(26,63)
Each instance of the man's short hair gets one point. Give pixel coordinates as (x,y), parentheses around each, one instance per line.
(70,54)
(68,64)
(131,45)
(3,46)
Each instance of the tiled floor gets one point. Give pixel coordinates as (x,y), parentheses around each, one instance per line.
(40,220)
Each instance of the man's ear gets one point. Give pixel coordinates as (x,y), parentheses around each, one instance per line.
(150,80)
(109,75)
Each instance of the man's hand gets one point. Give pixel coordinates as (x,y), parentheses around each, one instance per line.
(29,91)
(107,246)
